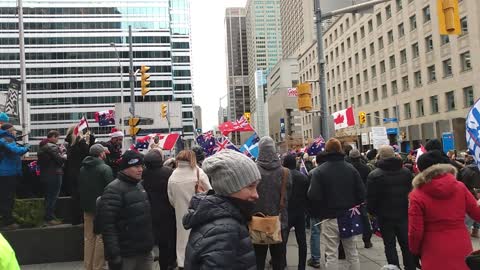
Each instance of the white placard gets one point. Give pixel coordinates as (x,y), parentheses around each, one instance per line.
(365,140)
(379,137)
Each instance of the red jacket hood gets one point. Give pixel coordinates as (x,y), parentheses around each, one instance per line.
(437,181)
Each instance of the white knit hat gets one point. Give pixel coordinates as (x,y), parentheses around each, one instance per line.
(117,134)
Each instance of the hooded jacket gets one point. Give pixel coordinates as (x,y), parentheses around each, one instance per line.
(10,155)
(269,188)
(49,159)
(94,176)
(8,260)
(387,189)
(436,229)
(76,153)
(219,238)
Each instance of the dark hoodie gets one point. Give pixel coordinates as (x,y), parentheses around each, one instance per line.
(219,238)
(49,159)
(94,176)
(269,188)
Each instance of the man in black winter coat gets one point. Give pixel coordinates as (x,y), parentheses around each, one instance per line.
(388,187)
(297,207)
(155,182)
(125,220)
(219,237)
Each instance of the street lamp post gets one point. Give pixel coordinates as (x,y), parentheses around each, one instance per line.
(121,92)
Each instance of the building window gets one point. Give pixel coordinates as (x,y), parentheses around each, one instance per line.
(420,111)
(447,68)
(403,56)
(390,36)
(426,14)
(444,39)
(355,38)
(428,44)
(358,79)
(383,68)
(401,30)
(384,91)
(431,73)
(379,19)
(386,113)
(364,53)
(351,82)
(370,26)
(413,22)
(380,43)
(399,5)
(359,100)
(374,71)
(468,98)
(365,75)
(372,48)
(388,11)
(464,24)
(367,97)
(450,96)
(362,32)
(405,84)
(407,110)
(376,115)
(356,59)
(394,87)
(369,120)
(434,104)
(466,61)
(375,94)
(348,43)
(415,51)
(418,78)
(392,61)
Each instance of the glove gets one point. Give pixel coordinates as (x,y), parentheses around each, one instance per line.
(416,260)
(115,264)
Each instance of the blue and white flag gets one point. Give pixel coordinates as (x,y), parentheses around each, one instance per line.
(473,132)
(250,148)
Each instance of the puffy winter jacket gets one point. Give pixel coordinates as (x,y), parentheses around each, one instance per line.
(125,221)
(94,176)
(10,153)
(49,159)
(8,259)
(219,238)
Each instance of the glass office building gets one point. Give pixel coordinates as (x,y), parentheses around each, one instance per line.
(73,69)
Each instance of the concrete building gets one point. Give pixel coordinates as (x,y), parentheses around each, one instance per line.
(298,26)
(72,69)
(284,118)
(222,115)
(264,48)
(197,115)
(394,64)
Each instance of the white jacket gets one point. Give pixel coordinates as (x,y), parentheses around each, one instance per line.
(181,188)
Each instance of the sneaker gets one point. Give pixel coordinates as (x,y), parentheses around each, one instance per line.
(53,222)
(11,227)
(312,263)
(368,244)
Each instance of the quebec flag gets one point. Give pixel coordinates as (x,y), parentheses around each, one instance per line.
(473,132)
(250,148)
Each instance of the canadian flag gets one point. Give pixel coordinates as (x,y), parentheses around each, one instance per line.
(83,124)
(344,118)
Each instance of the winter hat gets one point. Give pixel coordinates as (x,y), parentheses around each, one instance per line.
(4,117)
(354,153)
(433,144)
(129,159)
(154,158)
(385,151)
(431,158)
(6,126)
(372,154)
(96,150)
(199,153)
(229,171)
(116,133)
(266,150)
(290,162)
(333,146)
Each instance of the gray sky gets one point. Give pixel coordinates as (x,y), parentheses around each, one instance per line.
(209,61)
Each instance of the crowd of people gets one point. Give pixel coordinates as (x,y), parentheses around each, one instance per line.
(227,211)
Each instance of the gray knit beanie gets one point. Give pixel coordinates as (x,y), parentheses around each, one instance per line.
(230,171)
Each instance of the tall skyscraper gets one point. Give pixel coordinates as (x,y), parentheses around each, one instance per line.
(298,26)
(264,37)
(71,60)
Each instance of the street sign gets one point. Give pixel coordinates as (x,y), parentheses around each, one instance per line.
(392,131)
(448,141)
(393,119)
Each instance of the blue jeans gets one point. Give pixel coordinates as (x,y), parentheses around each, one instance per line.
(52,183)
(315,239)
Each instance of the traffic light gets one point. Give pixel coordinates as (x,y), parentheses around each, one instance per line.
(145,80)
(362,116)
(133,122)
(304,98)
(448,17)
(164,110)
(247,116)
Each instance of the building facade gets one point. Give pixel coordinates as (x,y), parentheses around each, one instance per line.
(394,64)
(264,47)
(73,50)
(197,111)
(298,26)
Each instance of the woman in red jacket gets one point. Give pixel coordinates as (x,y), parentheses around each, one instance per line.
(438,205)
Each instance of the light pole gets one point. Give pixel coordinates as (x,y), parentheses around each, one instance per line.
(121,92)
(23,71)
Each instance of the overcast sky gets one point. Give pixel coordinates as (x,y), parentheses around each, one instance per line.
(209,60)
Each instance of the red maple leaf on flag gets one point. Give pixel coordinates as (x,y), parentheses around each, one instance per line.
(339,119)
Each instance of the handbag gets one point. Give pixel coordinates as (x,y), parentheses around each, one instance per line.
(267,230)
(198,185)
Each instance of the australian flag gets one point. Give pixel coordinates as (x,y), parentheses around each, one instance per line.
(208,142)
(224,143)
(250,148)
(142,143)
(105,118)
(317,146)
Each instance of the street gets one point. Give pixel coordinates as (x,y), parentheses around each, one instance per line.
(370,259)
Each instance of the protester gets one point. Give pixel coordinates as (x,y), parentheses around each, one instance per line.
(155,182)
(155,144)
(4,118)
(371,157)
(10,170)
(297,207)
(115,150)
(125,220)
(93,177)
(269,192)
(51,163)
(435,144)
(219,238)
(77,150)
(387,199)
(335,188)
(8,260)
(181,188)
(470,176)
(437,208)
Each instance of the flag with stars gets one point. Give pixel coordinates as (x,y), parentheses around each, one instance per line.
(317,146)
(224,143)
(208,142)
(350,223)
